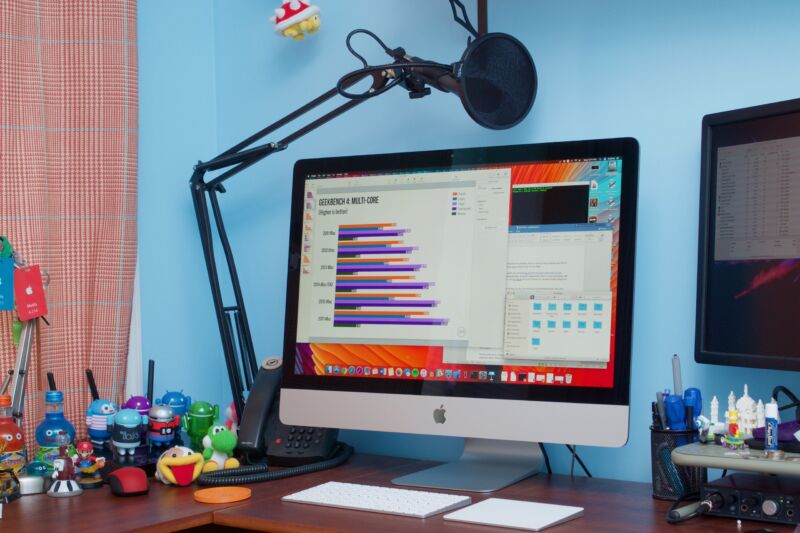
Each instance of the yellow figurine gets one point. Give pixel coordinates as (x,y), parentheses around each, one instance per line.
(733,438)
(296,18)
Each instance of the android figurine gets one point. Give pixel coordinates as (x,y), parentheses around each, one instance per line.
(201,416)
(87,466)
(138,403)
(99,417)
(163,425)
(128,431)
(218,445)
(177,400)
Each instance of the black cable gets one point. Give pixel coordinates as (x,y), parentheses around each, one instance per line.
(396,71)
(572,462)
(259,473)
(725,472)
(377,39)
(546,458)
(578,458)
(676,515)
(789,394)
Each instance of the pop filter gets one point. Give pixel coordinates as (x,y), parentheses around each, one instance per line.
(497,81)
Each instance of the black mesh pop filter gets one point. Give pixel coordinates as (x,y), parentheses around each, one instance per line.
(498,81)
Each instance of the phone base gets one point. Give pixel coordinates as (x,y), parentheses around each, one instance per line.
(486,465)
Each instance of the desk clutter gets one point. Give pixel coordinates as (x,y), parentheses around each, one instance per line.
(748,436)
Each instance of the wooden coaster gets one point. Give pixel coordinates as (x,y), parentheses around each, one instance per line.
(222,494)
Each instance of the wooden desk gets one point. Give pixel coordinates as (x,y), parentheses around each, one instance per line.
(610,506)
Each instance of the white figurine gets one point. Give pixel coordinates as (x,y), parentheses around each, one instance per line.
(714,411)
(760,416)
(746,407)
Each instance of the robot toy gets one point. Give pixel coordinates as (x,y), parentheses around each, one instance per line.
(99,417)
(201,416)
(177,400)
(64,483)
(138,403)
(163,425)
(128,431)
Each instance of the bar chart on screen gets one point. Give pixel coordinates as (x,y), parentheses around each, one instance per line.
(393,262)
(377,280)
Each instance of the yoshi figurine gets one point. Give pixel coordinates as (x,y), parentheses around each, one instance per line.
(200,417)
(218,445)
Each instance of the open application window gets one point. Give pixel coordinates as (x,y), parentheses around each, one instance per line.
(502,273)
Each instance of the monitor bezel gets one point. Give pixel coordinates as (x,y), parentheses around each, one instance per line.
(708,161)
(625,148)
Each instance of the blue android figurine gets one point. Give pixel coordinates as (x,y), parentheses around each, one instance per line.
(179,402)
(128,431)
(52,425)
(99,420)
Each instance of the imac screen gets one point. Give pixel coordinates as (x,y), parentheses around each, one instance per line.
(504,273)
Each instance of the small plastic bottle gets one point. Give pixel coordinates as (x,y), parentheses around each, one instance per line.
(12,440)
(771,433)
(53,423)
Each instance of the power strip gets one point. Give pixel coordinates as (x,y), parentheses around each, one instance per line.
(756,497)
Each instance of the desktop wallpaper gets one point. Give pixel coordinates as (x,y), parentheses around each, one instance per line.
(426,362)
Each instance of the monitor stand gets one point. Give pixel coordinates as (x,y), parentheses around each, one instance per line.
(486,465)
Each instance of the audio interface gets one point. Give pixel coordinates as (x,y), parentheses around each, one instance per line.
(755,497)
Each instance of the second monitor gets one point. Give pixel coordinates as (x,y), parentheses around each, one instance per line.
(484,293)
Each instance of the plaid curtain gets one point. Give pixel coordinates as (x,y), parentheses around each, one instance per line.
(68,162)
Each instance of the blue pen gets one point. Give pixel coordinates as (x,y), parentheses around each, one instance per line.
(676,414)
(692,398)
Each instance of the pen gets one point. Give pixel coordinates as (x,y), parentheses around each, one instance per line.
(657,425)
(676,375)
(661,412)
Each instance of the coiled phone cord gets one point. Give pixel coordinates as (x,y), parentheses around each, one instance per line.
(258,473)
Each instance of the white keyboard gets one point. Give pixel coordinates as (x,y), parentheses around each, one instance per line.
(404,502)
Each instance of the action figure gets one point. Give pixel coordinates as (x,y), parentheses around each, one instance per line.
(64,471)
(88,466)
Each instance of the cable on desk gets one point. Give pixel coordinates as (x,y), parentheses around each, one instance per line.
(575,456)
(546,458)
(676,514)
(259,473)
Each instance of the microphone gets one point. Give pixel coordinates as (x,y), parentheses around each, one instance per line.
(495,79)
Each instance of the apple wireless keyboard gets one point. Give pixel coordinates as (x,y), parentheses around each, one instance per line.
(404,502)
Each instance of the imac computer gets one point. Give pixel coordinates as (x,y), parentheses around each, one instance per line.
(748,291)
(484,293)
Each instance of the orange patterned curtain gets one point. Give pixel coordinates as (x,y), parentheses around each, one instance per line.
(68,162)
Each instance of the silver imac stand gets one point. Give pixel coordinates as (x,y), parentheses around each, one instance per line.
(486,465)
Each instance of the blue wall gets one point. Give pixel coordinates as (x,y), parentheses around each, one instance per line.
(212,73)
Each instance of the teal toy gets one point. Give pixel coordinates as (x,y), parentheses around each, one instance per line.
(218,445)
(37,468)
(200,417)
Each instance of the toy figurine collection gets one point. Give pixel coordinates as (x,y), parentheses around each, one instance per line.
(138,424)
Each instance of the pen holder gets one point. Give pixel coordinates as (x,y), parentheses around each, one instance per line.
(671,481)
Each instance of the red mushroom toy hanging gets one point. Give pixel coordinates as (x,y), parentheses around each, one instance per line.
(296,18)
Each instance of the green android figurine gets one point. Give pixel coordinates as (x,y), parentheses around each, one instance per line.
(200,417)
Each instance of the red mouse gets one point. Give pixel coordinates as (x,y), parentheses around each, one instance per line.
(128,481)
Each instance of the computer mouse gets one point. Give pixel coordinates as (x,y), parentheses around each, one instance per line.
(128,481)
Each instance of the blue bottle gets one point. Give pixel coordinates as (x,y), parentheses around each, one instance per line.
(53,423)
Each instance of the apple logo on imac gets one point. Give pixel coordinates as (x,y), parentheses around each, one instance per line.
(438,415)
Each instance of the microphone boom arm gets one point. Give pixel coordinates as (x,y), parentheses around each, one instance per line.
(238,350)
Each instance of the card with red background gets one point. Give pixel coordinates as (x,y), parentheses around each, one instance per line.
(29,293)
